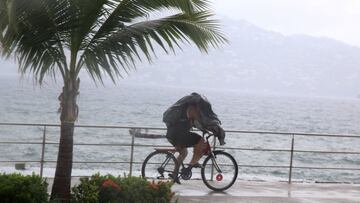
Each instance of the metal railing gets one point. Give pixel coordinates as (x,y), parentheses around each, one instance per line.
(132,146)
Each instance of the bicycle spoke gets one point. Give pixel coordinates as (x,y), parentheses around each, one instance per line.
(220,171)
(159,165)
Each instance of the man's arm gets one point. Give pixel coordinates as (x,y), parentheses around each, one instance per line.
(193,114)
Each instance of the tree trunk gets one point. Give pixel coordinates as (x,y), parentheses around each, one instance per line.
(62,181)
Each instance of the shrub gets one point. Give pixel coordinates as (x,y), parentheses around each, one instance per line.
(18,188)
(121,190)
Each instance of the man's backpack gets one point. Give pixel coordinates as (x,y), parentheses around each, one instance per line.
(209,120)
(177,112)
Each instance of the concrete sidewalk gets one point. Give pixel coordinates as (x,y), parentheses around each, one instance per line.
(269,192)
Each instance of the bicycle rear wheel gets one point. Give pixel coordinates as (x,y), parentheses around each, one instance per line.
(220,171)
(159,166)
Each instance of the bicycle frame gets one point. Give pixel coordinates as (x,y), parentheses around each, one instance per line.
(211,164)
(208,152)
(164,164)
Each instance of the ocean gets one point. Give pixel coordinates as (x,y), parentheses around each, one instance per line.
(143,104)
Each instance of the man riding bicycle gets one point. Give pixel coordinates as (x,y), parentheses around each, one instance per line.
(191,111)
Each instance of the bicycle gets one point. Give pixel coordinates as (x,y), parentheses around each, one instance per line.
(161,164)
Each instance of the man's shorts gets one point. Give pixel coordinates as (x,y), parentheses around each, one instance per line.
(179,135)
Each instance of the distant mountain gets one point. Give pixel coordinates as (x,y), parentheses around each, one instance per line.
(261,61)
(257,61)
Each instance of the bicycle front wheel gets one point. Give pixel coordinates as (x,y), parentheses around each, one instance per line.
(159,166)
(220,171)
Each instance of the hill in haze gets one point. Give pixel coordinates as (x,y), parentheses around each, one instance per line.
(256,61)
(261,61)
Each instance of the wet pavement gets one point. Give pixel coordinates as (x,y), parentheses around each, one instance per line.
(263,192)
(269,192)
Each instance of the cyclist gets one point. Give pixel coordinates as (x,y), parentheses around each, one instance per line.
(191,111)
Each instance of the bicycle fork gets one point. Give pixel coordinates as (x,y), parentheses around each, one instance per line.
(213,158)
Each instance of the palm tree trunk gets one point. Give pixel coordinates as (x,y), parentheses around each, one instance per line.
(69,110)
(62,180)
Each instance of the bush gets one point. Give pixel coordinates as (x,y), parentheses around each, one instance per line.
(120,190)
(18,188)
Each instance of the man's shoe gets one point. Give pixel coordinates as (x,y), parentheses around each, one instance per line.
(197,165)
(175,179)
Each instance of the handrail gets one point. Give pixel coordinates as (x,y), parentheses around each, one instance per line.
(132,146)
(218,147)
(162,128)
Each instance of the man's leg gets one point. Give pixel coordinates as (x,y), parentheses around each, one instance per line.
(182,154)
(198,151)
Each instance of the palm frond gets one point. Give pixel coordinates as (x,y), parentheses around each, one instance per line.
(86,17)
(32,32)
(123,46)
(128,10)
(101,34)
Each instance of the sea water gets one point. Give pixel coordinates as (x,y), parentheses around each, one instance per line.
(143,104)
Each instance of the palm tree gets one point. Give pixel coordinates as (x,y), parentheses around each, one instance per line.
(60,38)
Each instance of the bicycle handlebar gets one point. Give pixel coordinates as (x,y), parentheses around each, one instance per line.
(222,142)
(207,132)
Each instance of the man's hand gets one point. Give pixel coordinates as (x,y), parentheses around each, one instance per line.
(218,132)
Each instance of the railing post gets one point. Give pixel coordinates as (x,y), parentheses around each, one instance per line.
(42,152)
(132,153)
(291,158)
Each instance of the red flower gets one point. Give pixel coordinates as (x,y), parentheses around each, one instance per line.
(110,183)
(153,186)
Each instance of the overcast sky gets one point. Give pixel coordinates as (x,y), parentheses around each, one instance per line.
(338,19)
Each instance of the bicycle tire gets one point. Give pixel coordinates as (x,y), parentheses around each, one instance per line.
(232,163)
(146,163)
